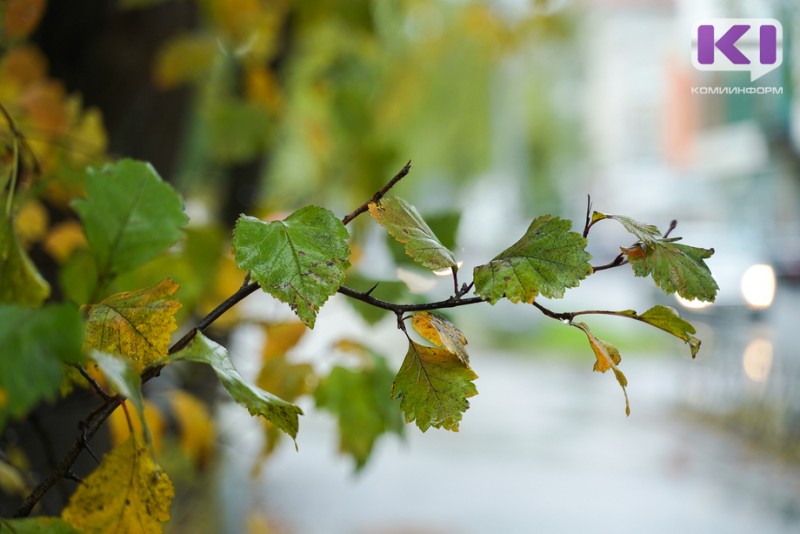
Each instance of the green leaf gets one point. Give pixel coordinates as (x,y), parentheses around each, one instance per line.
(20,281)
(124,379)
(282,414)
(675,268)
(360,400)
(36,525)
(433,385)
(608,357)
(441,333)
(548,259)
(406,225)
(646,233)
(300,260)
(668,320)
(35,343)
(130,216)
(444,225)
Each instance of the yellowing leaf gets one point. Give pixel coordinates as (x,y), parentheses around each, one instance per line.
(64,238)
(667,319)
(88,137)
(545,261)
(433,386)
(406,225)
(608,357)
(20,282)
(24,65)
(441,333)
(195,425)
(136,325)
(128,493)
(121,432)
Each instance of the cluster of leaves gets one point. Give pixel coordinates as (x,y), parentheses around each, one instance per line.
(129,216)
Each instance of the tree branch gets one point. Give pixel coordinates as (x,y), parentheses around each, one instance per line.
(452,302)
(377,196)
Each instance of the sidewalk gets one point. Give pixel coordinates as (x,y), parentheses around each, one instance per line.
(544,448)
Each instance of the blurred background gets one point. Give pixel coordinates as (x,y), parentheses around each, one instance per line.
(508,109)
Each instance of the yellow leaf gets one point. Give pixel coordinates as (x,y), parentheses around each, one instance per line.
(121,432)
(228,280)
(22,16)
(88,138)
(31,222)
(281,337)
(184,59)
(441,333)
(45,106)
(64,238)
(261,87)
(128,493)
(136,325)
(608,357)
(196,427)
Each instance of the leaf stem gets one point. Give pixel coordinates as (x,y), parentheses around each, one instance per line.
(377,196)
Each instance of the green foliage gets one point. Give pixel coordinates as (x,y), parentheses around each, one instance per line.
(20,282)
(667,319)
(675,268)
(300,260)
(37,525)
(257,401)
(36,343)
(406,225)
(433,386)
(547,260)
(129,215)
(365,412)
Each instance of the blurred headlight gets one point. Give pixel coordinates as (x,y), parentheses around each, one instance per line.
(693,304)
(757,360)
(758,286)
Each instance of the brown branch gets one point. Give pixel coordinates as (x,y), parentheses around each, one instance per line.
(377,196)
(452,302)
(619,260)
(588,223)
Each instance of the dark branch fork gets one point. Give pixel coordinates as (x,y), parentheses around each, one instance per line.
(96,419)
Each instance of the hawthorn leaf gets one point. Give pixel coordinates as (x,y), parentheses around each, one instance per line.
(121,425)
(129,493)
(300,260)
(282,414)
(608,357)
(433,386)
(358,397)
(36,342)
(20,281)
(406,225)
(548,259)
(675,268)
(646,233)
(441,333)
(136,325)
(667,319)
(124,380)
(37,525)
(130,215)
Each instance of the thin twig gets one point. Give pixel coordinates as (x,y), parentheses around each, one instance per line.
(588,223)
(92,382)
(672,225)
(452,302)
(619,260)
(377,196)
